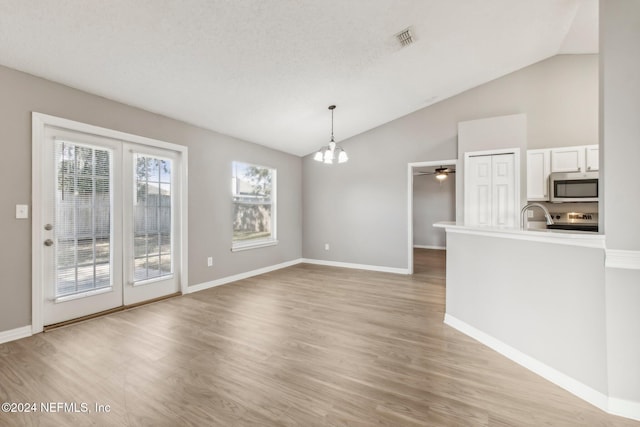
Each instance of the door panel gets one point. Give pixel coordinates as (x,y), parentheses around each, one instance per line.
(151,223)
(82,225)
(504,191)
(478,192)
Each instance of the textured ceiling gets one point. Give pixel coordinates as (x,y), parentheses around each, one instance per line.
(266,71)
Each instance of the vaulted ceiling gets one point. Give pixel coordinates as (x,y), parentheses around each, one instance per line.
(266,71)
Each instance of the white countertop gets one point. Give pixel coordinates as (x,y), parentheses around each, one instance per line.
(562,237)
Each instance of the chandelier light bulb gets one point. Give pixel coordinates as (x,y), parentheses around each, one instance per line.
(342,157)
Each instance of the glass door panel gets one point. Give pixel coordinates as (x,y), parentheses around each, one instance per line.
(82,262)
(152,223)
(82,218)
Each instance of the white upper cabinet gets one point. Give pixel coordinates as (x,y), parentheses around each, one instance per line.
(538,169)
(567,159)
(582,158)
(593,158)
(541,162)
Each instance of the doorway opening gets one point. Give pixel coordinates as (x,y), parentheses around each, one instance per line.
(431,195)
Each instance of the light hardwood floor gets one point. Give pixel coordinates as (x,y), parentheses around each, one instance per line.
(303,346)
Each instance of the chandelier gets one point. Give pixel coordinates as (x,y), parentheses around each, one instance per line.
(331,153)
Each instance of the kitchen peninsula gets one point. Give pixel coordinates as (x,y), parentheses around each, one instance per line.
(537,297)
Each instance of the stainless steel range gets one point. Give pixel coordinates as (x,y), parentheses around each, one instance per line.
(578,221)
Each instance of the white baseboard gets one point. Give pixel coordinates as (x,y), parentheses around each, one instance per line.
(566,382)
(623,408)
(246,275)
(622,259)
(382,269)
(240,276)
(15,334)
(439,248)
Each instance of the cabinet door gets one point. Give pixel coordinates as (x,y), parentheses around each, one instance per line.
(478,194)
(593,158)
(538,169)
(503,205)
(567,159)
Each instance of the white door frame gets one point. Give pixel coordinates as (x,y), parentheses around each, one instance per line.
(39,122)
(410,168)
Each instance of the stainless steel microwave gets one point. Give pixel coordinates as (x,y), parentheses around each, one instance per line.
(573,187)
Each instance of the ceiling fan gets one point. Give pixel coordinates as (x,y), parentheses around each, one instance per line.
(441,173)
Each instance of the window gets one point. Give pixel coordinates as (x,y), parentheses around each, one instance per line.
(254,206)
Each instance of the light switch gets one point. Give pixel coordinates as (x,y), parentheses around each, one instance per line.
(22,211)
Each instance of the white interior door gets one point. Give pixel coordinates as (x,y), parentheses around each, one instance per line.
(110,224)
(82,225)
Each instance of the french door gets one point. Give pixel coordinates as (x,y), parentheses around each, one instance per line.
(109,223)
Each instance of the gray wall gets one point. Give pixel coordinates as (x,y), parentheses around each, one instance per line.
(620,79)
(210,209)
(546,300)
(433,201)
(623,334)
(620,33)
(361,207)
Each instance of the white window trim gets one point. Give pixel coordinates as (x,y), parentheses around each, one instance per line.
(273,239)
(38,123)
(237,247)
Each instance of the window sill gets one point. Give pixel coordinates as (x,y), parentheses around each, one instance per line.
(253,245)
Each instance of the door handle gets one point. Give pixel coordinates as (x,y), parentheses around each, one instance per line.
(48,242)
(48,227)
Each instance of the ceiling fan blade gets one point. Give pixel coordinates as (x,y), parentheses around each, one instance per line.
(445,170)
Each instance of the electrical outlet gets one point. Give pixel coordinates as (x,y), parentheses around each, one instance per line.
(529,213)
(326,246)
(210,262)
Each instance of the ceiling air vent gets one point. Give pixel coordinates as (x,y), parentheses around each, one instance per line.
(405,37)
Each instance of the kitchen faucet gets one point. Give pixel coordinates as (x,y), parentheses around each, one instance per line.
(535,205)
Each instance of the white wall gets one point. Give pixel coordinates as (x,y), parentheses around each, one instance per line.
(433,201)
